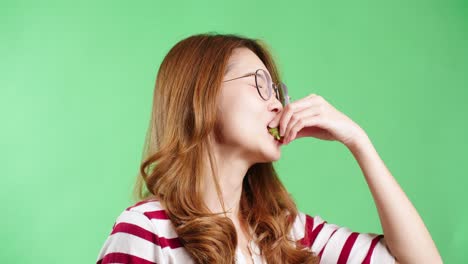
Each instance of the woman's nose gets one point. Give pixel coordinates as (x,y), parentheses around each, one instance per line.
(275,105)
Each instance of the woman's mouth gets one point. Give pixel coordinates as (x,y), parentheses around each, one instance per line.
(274,132)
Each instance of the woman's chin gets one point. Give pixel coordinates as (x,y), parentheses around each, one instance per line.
(269,150)
(273,152)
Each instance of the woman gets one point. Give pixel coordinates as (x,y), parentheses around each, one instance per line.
(208,149)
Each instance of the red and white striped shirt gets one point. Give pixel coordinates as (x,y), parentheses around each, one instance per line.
(144,234)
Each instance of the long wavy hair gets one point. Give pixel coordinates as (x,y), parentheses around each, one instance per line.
(184,113)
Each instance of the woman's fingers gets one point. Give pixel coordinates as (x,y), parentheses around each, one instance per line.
(293,107)
(297,106)
(299,117)
(310,124)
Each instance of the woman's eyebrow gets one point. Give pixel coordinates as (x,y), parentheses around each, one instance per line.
(232,65)
(229,68)
(247,74)
(254,72)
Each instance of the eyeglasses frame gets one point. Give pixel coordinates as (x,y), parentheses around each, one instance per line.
(271,85)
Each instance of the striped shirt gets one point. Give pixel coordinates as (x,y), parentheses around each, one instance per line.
(144,234)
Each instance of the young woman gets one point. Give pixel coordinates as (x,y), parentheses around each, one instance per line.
(209,149)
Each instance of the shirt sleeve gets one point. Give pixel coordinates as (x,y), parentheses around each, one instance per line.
(336,244)
(132,240)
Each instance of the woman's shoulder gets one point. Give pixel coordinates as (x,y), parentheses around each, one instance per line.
(304,223)
(142,232)
(149,214)
(151,207)
(333,242)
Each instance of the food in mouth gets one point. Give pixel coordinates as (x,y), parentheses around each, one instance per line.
(274,132)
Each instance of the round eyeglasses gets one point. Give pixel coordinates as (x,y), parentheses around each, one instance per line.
(265,85)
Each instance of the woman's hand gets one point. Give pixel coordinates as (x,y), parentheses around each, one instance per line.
(313,116)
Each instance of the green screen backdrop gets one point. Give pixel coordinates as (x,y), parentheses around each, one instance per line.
(77,80)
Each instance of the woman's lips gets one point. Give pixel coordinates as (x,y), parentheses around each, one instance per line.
(274,132)
(280,140)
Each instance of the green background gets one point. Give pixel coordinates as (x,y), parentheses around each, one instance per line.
(77,81)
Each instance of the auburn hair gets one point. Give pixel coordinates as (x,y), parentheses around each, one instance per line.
(184,113)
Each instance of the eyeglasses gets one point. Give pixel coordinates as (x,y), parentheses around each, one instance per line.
(264,85)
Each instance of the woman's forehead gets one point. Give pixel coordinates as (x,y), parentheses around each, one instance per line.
(242,61)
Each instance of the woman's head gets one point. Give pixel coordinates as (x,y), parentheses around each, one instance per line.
(197,108)
(243,113)
(193,100)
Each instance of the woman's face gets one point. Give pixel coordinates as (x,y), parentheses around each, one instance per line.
(244,115)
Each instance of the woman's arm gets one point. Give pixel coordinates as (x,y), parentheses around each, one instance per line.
(405,233)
